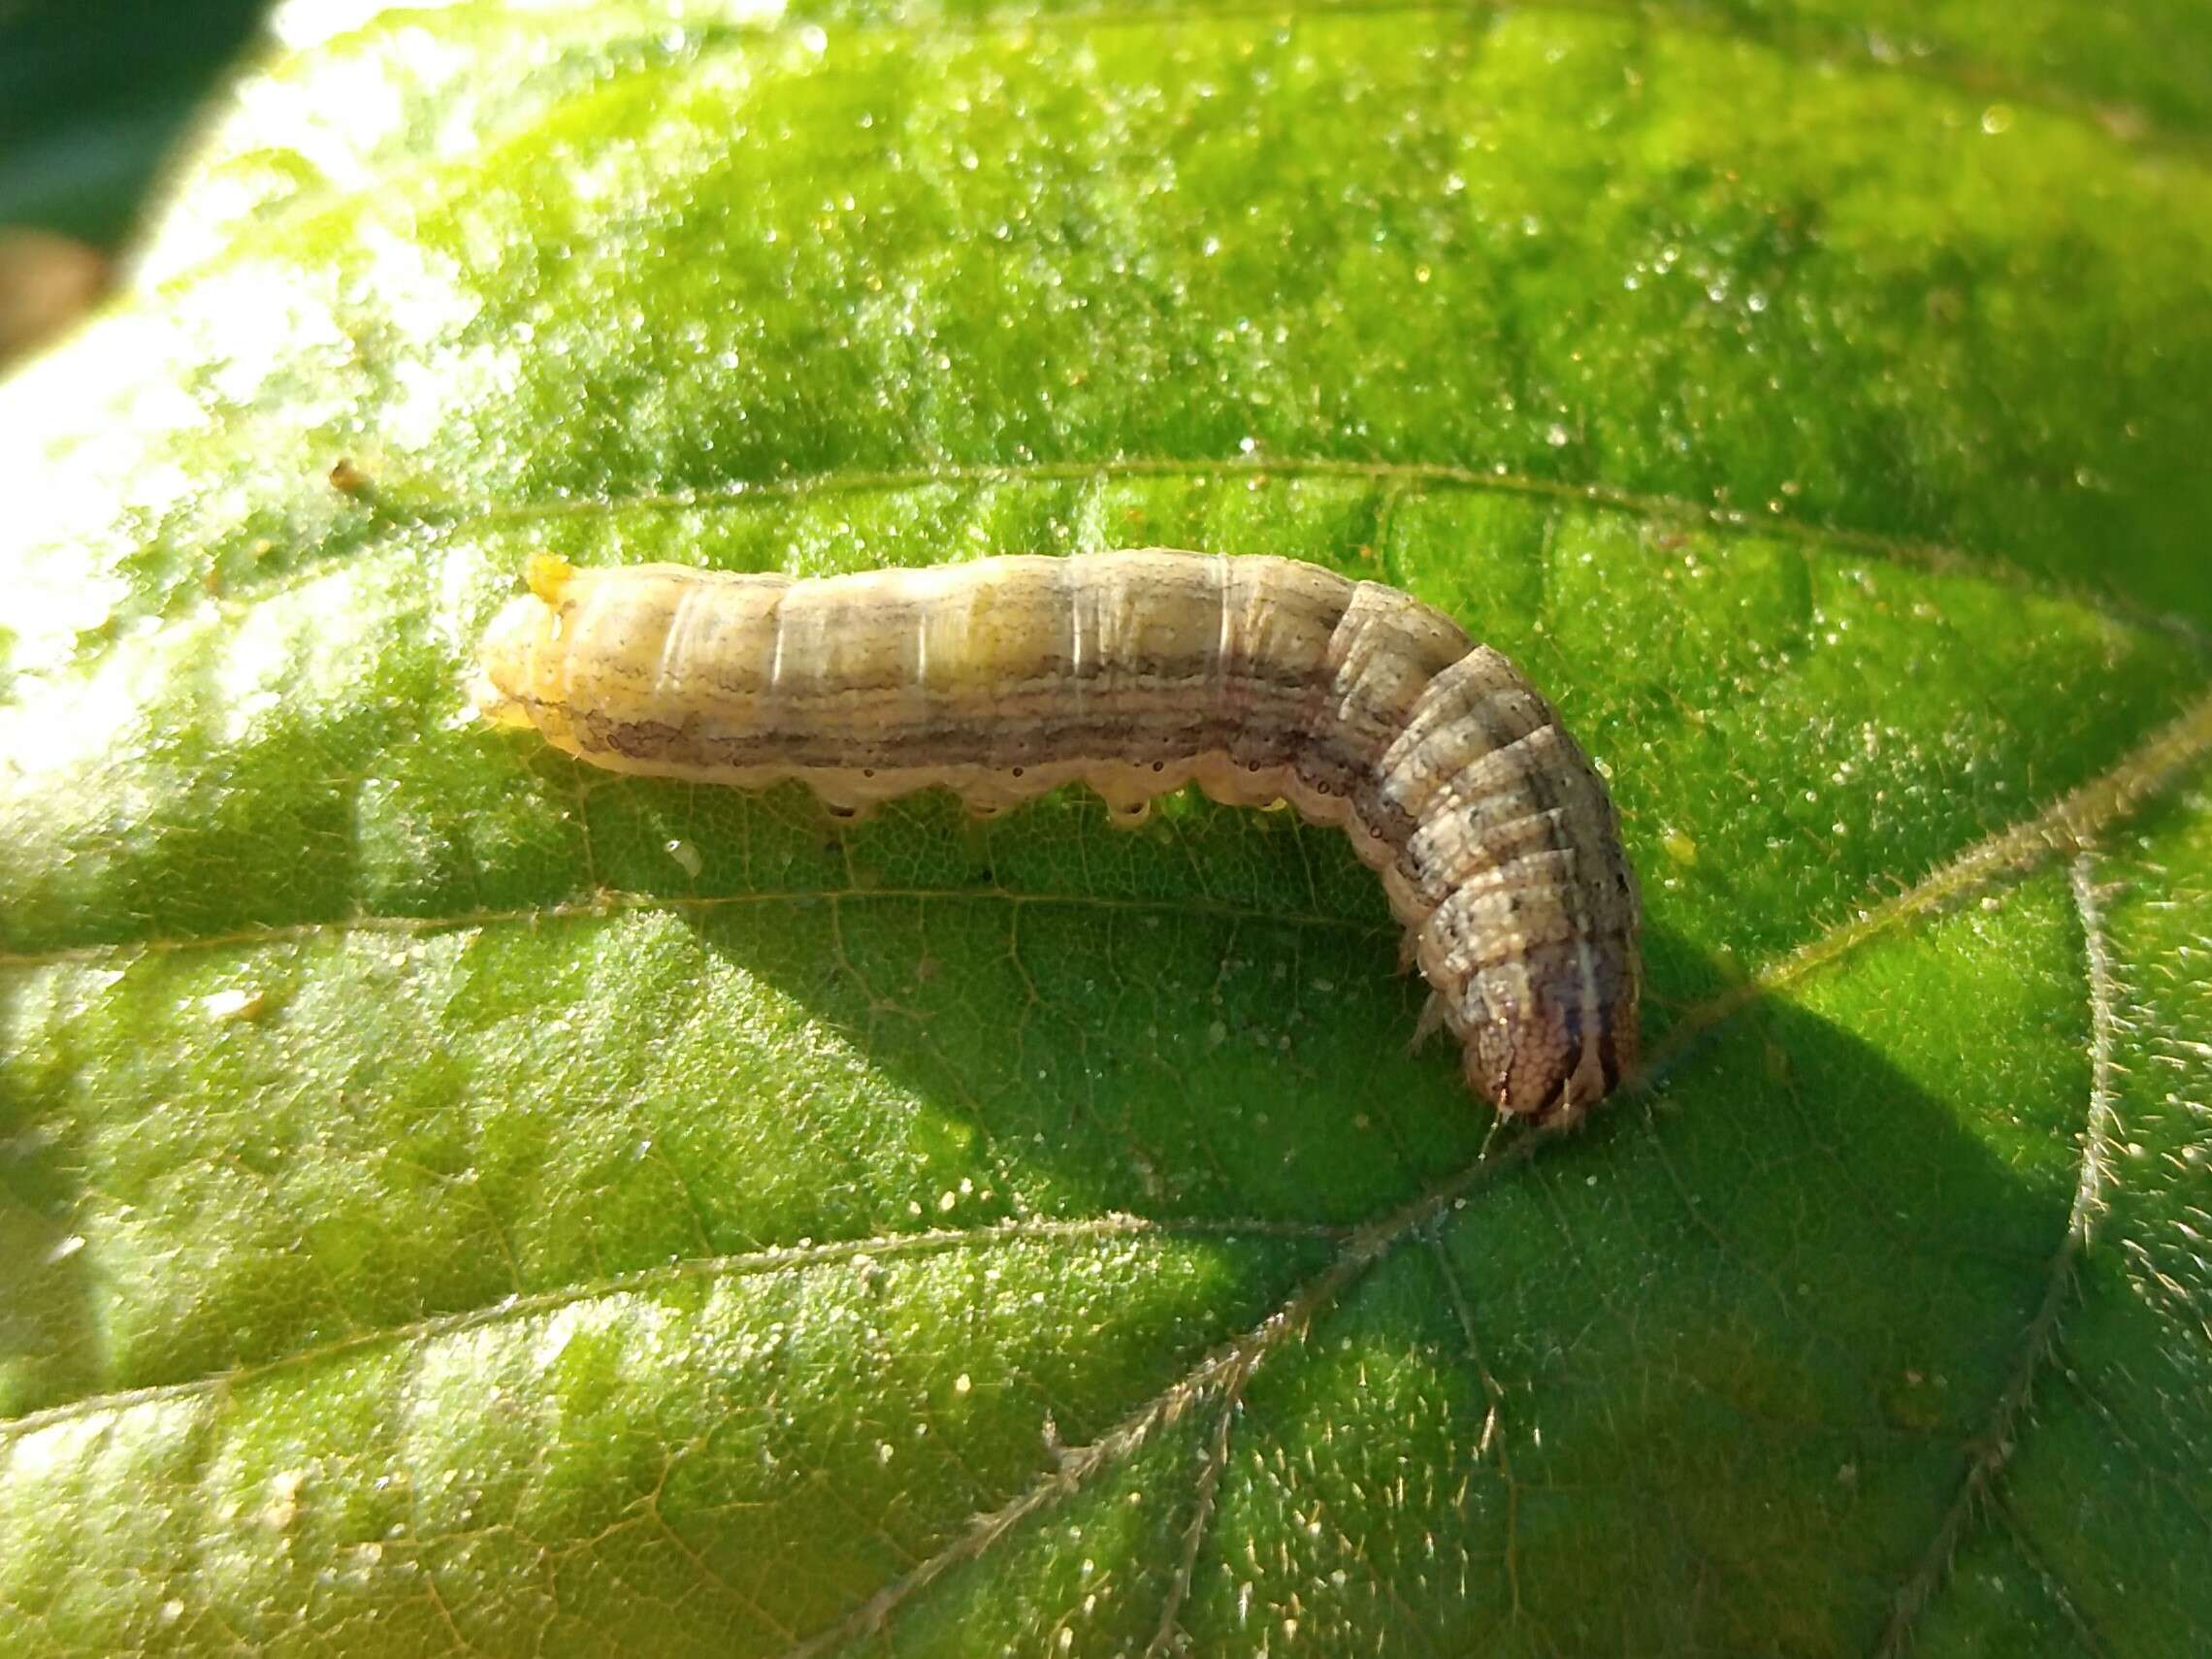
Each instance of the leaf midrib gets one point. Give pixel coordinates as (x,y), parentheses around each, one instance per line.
(1642,506)
(447,516)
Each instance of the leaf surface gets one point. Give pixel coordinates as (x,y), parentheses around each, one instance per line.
(470,1203)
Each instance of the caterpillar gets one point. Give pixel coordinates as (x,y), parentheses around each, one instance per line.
(1136,672)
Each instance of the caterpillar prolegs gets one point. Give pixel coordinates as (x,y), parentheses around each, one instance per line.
(1136,672)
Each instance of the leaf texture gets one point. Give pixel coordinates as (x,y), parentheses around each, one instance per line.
(460,1202)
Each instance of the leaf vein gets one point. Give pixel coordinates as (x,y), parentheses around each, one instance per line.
(610,902)
(2068,825)
(753,1264)
(1991,1450)
(1224,1370)
(1397,477)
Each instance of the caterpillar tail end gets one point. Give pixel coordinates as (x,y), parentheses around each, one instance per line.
(505,658)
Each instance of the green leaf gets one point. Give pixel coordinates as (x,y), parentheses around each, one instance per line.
(457,1201)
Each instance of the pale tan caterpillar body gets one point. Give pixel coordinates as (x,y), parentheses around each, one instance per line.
(1136,672)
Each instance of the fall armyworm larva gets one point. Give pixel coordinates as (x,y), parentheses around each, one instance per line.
(1136,672)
